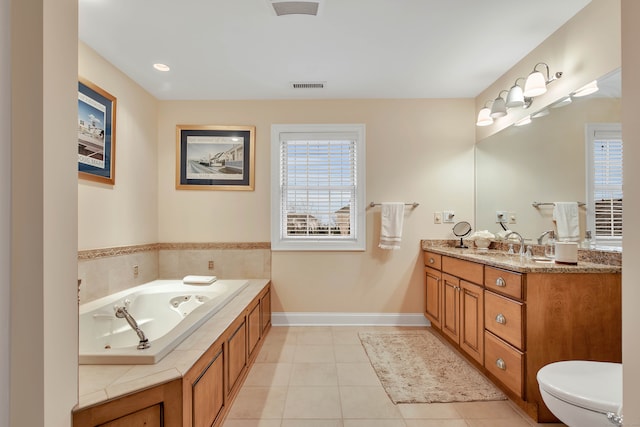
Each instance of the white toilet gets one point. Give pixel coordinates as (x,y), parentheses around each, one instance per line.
(582,393)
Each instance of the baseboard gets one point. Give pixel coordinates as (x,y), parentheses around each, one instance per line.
(348,319)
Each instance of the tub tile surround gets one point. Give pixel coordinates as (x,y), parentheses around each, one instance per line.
(97,383)
(106,271)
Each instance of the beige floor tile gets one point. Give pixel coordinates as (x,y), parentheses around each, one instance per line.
(259,403)
(436,423)
(429,410)
(274,353)
(487,410)
(311,423)
(313,402)
(512,422)
(269,374)
(315,337)
(251,423)
(314,354)
(357,374)
(374,423)
(280,335)
(314,374)
(346,336)
(367,402)
(347,353)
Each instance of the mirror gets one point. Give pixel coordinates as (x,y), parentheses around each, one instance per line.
(543,161)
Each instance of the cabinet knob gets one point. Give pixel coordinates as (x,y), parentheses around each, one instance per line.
(501,319)
(500,282)
(501,365)
(431,260)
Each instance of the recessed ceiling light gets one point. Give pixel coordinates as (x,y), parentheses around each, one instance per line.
(161,67)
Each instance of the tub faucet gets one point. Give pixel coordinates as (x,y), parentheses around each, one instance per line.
(122,313)
(521,251)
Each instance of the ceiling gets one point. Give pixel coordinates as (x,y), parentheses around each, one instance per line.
(240,49)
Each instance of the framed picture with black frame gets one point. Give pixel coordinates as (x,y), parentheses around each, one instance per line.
(215,157)
(96,133)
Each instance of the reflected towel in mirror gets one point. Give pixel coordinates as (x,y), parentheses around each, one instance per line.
(565,214)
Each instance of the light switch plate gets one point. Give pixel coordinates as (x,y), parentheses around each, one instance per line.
(437,217)
(447,216)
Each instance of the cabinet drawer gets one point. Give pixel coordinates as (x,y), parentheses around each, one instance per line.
(503,317)
(433,260)
(504,362)
(470,271)
(504,282)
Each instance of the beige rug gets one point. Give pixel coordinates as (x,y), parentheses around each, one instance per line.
(416,367)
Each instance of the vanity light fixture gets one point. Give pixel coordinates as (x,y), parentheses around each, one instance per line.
(541,113)
(498,108)
(536,83)
(561,102)
(484,116)
(161,67)
(587,89)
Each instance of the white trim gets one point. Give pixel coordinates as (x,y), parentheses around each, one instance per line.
(348,319)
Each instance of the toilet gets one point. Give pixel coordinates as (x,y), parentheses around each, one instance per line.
(583,393)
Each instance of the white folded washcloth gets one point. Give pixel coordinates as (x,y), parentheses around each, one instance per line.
(199,280)
(391,225)
(565,214)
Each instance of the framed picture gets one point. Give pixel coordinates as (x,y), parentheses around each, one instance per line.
(96,133)
(215,157)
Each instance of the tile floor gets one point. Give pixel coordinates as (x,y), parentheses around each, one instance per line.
(321,377)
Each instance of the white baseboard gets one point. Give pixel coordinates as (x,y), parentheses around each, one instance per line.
(348,319)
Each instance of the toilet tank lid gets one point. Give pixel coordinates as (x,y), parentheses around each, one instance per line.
(591,385)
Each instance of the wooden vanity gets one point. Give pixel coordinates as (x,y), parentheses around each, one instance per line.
(511,316)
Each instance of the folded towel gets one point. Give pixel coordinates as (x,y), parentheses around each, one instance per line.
(565,214)
(199,280)
(391,225)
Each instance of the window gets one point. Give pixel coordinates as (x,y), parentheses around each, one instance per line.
(604,184)
(317,187)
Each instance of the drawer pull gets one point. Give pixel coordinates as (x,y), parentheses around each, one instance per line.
(431,260)
(500,282)
(501,365)
(501,319)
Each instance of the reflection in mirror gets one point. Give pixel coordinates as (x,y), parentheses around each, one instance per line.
(544,161)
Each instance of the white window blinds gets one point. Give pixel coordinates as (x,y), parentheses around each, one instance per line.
(605,190)
(320,190)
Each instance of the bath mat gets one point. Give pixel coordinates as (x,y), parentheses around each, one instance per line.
(416,367)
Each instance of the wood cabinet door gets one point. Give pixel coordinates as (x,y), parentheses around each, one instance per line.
(148,417)
(208,393)
(450,306)
(472,320)
(265,310)
(433,296)
(237,355)
(253,329)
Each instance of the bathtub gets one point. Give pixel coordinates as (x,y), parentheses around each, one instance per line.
(167,311)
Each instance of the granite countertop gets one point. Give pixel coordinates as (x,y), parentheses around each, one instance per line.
(500,259)
(99,383)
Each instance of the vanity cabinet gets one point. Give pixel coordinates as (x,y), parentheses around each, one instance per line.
(454,303)
(512,322)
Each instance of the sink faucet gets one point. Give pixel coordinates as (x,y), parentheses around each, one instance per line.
(520,238)
(550,233)
(122,313)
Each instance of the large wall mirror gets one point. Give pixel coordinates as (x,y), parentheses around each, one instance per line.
(544,161)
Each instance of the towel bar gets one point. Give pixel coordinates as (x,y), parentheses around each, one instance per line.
(537,204)
(413,205)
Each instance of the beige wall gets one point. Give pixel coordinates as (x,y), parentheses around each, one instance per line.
(631,253)
(44,117)
(417,150)
(127,212)
(5,209)
(585,48)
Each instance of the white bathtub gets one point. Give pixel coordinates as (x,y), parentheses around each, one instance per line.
(167,311)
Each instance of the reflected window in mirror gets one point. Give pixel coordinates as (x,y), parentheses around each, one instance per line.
(604,184)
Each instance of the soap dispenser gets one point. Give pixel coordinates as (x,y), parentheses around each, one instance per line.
(586,243)
(550,246)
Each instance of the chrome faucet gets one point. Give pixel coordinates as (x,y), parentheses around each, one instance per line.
(550,233)
(520,238)
(122,313)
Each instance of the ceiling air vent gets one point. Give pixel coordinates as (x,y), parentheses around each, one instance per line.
(301,7)
(308,85)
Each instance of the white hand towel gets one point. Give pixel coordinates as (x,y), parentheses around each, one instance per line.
(199,280)
(565,214)
(391,225)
